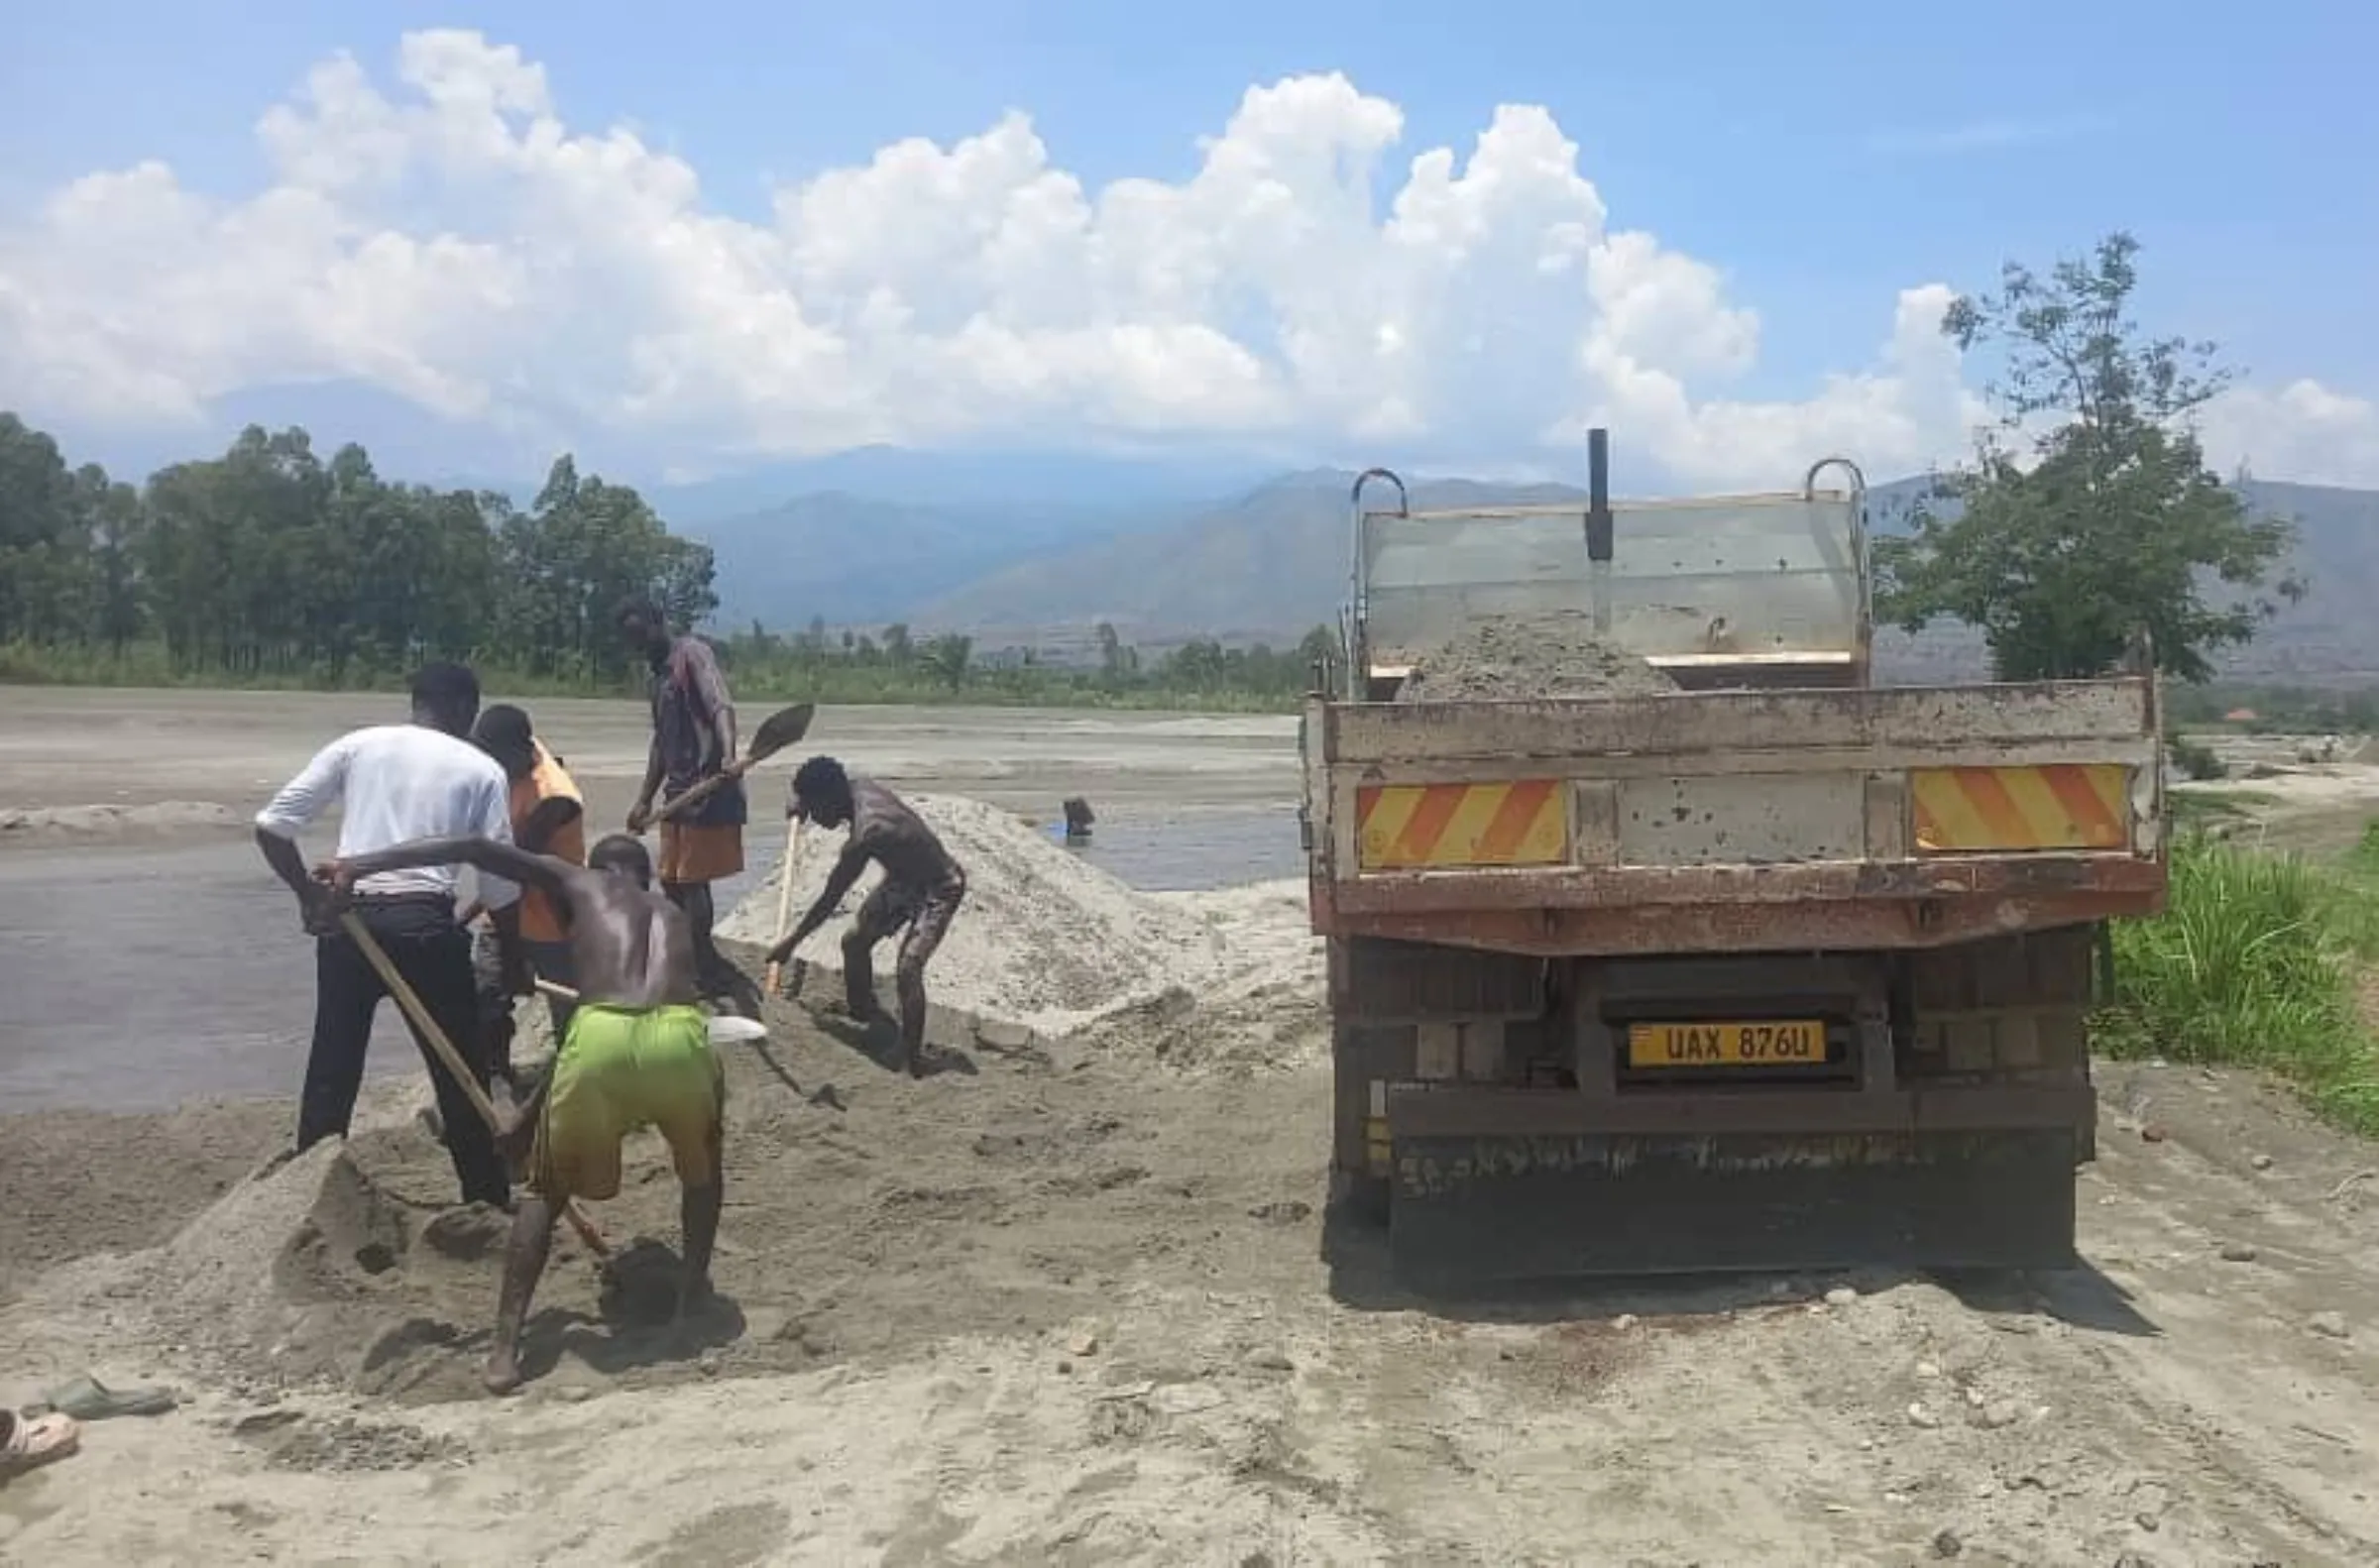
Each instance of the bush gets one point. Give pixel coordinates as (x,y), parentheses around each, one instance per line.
(2253,962)
(2196,760)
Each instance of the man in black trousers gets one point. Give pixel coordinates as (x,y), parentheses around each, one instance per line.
(398,783)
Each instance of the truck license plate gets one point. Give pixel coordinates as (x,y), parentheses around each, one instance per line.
(1740,1045)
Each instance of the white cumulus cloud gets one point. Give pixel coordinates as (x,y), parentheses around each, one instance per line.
(445,236)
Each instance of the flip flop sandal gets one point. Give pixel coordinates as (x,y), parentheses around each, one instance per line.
(36,1440)
(86,1398)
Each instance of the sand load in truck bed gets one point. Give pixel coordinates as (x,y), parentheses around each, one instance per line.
(1515,658)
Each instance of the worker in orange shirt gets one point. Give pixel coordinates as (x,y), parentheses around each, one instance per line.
(548,818)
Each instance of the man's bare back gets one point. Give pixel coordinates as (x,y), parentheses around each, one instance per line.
(630,946)
(920,893)
(884,830)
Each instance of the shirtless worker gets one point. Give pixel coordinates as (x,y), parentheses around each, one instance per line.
(921,891)
(638,1055)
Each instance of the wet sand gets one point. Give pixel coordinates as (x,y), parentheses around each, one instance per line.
(141,971)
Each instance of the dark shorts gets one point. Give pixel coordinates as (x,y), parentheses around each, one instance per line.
(548,961)
(923,914)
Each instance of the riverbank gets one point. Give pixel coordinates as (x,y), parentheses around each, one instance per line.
(1075,1296)
(160,965)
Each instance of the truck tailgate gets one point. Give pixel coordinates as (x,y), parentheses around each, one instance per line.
(1721,821)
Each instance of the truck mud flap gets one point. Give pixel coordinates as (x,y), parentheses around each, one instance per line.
(1469,1210)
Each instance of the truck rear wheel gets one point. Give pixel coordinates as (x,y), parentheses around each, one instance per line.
(1407,1012)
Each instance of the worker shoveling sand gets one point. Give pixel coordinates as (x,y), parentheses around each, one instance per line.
(1513,658)
(348,1268)
(1049,947)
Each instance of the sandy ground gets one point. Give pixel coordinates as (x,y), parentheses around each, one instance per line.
(1072,1299)
(1071,1306)
(2303,794)
(127,749)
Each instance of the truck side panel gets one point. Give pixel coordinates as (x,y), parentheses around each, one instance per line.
(1735,727)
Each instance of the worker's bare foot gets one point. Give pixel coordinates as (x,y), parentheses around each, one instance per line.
(502,1375)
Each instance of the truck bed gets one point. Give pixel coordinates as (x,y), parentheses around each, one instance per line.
(1736,821)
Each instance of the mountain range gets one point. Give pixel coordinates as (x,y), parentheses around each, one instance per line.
(1269,561)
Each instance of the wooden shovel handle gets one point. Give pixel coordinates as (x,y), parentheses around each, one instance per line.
(785,902)
(411,1000)
(702,790)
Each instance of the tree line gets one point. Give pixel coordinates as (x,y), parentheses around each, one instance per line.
(893,665)
(270,566)
(268,563)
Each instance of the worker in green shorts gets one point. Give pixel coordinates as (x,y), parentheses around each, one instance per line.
(637,1054)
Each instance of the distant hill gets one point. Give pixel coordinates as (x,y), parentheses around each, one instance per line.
(1114,488)
(1271,563)
(853,559)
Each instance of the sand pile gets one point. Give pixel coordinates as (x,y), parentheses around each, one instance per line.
(335,1269)
(1512,658)
(1262,1005)
(346,1269)
(1048,944)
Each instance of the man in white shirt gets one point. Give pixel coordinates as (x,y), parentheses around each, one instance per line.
(398,783)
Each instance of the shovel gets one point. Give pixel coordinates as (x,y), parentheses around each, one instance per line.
(782,729)
(415,1010)
(784,903)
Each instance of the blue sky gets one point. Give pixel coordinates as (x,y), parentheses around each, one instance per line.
(1821,157)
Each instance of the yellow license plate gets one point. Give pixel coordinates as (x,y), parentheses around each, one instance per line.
(1726,1044)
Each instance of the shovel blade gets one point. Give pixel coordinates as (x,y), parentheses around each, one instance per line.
(726,1030)
(779,731)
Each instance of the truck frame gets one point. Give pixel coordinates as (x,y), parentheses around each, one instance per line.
(1782,969)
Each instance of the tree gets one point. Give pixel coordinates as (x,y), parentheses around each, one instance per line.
(568,563)
(119,588)
(2114,523)
(42,543)
(950,655)
(1319,648)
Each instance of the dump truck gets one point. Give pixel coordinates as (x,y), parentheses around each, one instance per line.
(1775,969)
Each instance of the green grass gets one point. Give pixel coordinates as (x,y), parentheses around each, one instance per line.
(2204,808)
(831,681)
(2255,962)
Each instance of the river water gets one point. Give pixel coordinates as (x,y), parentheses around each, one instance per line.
(141,975)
